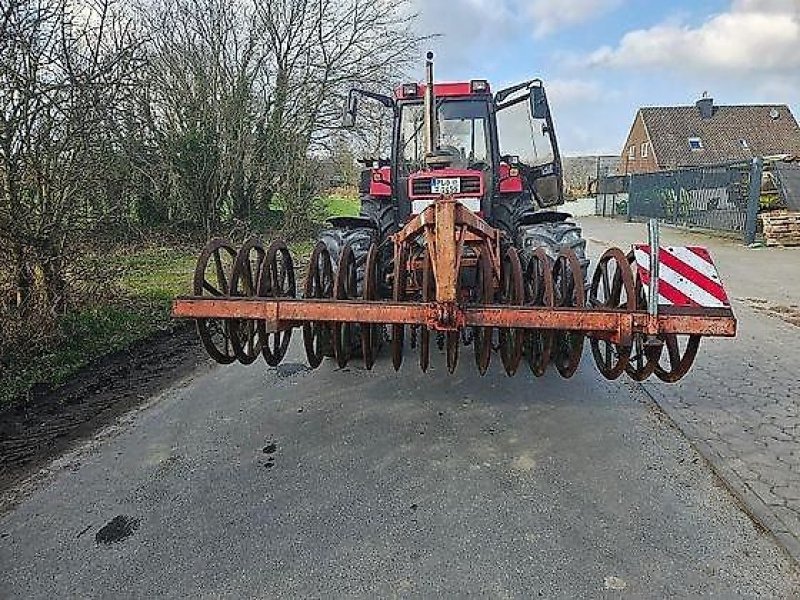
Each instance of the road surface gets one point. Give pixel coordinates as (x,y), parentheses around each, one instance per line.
(273,483)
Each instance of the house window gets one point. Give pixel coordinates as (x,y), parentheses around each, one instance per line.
(695,143)
(631,152)
(644,150)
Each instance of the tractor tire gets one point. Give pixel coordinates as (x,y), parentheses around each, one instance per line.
(512,215)
(382,212)
(507,210)
(360,239)
(553,237)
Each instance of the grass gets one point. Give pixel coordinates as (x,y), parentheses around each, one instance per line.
(149,278)
(156,275)
(342,203)
(146,281)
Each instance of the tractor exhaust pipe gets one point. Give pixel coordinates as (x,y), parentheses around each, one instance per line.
(431,129)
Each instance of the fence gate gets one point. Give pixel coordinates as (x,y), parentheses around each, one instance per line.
(713,197)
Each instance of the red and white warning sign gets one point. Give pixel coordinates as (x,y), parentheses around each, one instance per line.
(686,276)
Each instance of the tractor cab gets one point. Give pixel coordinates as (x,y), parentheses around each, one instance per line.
(461,162)
(461,140)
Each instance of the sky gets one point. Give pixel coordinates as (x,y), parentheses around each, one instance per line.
(603,59)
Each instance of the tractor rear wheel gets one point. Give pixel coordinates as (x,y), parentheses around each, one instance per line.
(507,210)
(529,229)
(382,212)
(554,237)
(359,239)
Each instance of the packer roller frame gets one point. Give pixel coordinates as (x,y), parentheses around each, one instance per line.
(453,275)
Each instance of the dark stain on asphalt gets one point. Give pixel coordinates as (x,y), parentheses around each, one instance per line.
(117,529)
(84,530)
(270,449)
(290,369)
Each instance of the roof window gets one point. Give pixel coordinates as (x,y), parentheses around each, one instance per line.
(743,143)
(695,143)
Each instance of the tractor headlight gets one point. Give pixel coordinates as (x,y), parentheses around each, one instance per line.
(479,86)
(410,90)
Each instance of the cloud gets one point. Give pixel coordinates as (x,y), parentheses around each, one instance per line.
(754,35)
(466,21)
(463,21)
(775,6)
(548,16)
(572,92)
(465,30)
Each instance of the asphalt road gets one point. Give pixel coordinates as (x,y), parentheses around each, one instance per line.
(274,483)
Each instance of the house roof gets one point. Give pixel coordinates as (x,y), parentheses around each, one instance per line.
(670,128)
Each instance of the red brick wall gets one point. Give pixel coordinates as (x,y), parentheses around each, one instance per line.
(637,137)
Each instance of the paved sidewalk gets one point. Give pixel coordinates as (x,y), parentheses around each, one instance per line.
(740,404)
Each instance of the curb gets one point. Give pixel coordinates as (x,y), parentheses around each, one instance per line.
(758,510)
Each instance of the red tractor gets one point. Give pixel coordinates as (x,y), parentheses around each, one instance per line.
(457,237)
(497,154)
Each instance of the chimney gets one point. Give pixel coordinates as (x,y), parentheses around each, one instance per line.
(706,106)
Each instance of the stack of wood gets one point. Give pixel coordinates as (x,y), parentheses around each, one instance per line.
(781,228)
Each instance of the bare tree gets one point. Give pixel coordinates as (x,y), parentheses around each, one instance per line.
(241,95)
(205,67)
(318,50)
(64,67)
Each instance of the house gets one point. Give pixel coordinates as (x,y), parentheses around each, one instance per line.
(672,137)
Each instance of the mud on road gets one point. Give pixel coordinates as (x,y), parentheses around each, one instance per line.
(35,430)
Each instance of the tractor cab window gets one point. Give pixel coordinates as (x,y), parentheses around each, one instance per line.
(525,130)
(462,133)
(520,134)
(412,137)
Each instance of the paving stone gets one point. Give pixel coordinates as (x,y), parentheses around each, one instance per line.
(742,397)
(789,517)
(764,491)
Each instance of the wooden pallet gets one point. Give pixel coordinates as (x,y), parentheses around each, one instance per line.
(781,228)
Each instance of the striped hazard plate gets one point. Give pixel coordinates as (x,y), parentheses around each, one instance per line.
(687,276)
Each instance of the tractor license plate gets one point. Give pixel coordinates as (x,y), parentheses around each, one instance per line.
(446,187)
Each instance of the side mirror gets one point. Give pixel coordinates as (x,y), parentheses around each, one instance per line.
(538,103)
(349,118)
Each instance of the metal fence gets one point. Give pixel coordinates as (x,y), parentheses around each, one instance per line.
(788,180)
(612,196)
(712,197)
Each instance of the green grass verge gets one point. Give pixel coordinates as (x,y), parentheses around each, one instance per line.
(156,275)
(149,279)
(337,205)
